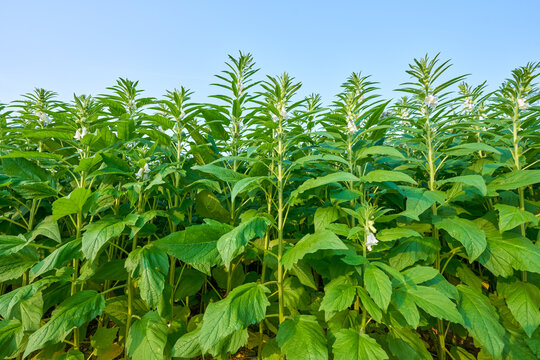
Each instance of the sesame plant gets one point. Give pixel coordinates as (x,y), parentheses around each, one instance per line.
(263,224)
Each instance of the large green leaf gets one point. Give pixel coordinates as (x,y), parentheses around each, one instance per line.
(323,180)
(413,249)
(244,306)
(469,148)
(511,216)
(48,227)
(320,240)
(352,345)
(209,206)
(151,265)
(71,204)
(338,295)
(380,150)
(10,244)
(419,201)
(407,344)
(378,286)
(147,337)
(196,245)
(508,252)
(388,175)
(246,184)
(58,258)
(472,180)
(232,243)
(220,173)
(302,338)
(523,300)
(481,319)
(24,169)
(11,335)
(98,233)
(514,180)
(73,312)
(435,303)
(467,233)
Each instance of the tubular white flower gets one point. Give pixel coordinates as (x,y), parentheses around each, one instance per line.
(143,172)
(522,104)
(283,111)
(182,113)
(405,115)
(371,241)
(80,134)
(351,126)
(431,100)
(468,105)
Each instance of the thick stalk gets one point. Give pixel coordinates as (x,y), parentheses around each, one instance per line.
(280,225)
(76,335)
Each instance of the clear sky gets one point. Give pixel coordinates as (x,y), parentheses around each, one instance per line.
(82,47)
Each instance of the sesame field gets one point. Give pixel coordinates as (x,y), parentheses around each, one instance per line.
(263,224)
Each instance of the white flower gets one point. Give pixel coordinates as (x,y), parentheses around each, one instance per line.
(371,241)
(274,117)
(143,172)
(182,113)
(522,104)
(468,105)
(405,115)
(283,111)
(80,133)
(360,99)
(431,100)
(351,126)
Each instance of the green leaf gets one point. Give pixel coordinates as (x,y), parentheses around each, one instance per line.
(24,169)
(35,190)
(103,339)
(151,264)
(187,346)
(323,180)
(246,184)
(407,307)
(73,312)
(31,155)
(481,319)
(419,201)
(352,345)
(71,204)
(472,180)
(378,286)
(380,150)
(220,173)
(522,300)
(407,344)
(507,252)
(369,304)
(10,244)
(388,175)
(413,249)
(13,266)
(338,296)
(510,217)
(467,233)
(48,227)
(325,216)
(395,234)
(233,242)
(98,234)
(302,338)
(58,258)
(320,240)
(514,180)
(244,306)
(435,303)
(196,245)
(191,282)
(147,337)
(208,206)
(469,148)
(11,335)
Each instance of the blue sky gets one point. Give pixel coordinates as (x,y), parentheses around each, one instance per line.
(82,47)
